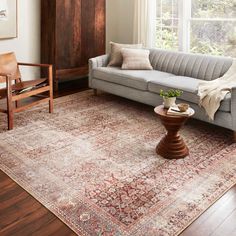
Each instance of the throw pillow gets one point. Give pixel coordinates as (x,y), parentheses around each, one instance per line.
(136,59)
(8,65)
(115,56)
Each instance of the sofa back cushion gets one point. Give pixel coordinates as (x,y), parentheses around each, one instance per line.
(116,58)
(136,59)
(198,66)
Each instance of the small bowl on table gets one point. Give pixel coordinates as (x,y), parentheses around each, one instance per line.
(183,107)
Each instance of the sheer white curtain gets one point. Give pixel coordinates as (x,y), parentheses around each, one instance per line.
(145,22)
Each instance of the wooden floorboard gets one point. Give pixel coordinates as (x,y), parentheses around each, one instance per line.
(219,217)
(22,215)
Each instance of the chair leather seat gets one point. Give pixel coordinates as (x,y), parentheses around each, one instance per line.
(22,85)
(27,84)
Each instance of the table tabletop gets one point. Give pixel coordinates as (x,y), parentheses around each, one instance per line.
(161,111)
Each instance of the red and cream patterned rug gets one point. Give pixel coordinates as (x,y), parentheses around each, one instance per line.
(93,164)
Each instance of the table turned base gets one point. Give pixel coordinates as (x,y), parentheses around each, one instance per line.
(172,147)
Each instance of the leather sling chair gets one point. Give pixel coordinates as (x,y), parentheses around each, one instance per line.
(17,90)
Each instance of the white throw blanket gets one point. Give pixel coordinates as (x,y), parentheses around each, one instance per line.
(211,93)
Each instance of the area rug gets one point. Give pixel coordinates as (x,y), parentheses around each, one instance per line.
(93,164)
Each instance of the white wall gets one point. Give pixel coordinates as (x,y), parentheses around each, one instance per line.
(119,24)
(119,17)
(27,44)
(111,22)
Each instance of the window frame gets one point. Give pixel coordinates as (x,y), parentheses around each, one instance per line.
(184,23)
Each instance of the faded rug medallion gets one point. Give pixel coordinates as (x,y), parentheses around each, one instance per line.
(93,164)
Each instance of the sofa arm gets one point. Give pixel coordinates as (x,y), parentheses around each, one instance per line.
(233,106)
(96,62)
(100,61)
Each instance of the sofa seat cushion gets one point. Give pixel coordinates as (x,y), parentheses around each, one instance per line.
(188,85)
(137,79)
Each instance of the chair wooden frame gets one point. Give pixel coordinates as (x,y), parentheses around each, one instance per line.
(15,98)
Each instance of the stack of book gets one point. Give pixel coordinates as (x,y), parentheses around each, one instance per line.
(174,111)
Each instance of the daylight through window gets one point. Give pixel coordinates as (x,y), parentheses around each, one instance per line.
(197,26)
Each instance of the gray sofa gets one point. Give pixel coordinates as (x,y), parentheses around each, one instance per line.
(171,70)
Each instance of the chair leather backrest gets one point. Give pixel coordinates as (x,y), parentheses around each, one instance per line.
(8,65)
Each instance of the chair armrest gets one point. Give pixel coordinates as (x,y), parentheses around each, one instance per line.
(5,75)
(100,61)
(49,71)
(31,64)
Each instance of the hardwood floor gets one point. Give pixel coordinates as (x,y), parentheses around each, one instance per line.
(218,220)
(22,215)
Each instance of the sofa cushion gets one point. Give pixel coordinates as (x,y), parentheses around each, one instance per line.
(116,58)
(188,85)
(135,59)
(137,79)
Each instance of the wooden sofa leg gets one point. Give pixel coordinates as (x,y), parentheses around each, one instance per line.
(95,92)
(234,136)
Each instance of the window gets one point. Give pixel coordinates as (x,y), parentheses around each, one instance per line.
(167,24)
(199,26)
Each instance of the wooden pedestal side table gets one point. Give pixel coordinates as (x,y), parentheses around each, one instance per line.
(172,146)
